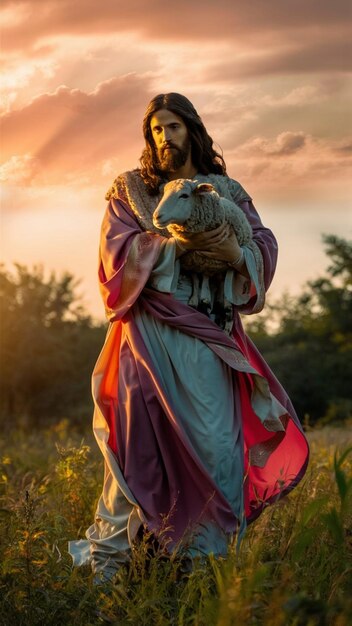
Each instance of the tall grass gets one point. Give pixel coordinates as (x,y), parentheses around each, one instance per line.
(294,567)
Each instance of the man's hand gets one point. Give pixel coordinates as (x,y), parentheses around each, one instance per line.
(220,243)
(205,241)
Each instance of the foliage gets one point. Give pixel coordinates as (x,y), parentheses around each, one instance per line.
(310,349)
(294,567)
(48,346)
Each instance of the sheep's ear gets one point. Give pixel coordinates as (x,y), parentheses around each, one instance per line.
(204,188)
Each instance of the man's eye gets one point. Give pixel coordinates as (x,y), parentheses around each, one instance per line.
(184,195)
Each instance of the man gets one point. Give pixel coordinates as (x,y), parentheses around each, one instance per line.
(197,434)
(172,155)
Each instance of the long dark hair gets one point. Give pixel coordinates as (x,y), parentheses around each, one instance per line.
(204,157)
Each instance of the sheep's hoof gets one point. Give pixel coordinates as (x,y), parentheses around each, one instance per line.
(193,301)
(228,327)
(205,307)
(228,310)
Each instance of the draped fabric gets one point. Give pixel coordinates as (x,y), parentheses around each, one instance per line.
(157,386)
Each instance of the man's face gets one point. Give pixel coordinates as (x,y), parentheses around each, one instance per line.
(171,140)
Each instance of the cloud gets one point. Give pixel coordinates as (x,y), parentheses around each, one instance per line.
(70,133)
(199,19)
(299,96)
(286,143)
(205,45)
(86,138)
(19,169)
(294,163)
(302,56)
(344,149)
(78,62)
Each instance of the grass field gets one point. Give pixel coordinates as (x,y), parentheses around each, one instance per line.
(294,566)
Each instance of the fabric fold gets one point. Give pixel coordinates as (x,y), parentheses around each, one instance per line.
(154,406)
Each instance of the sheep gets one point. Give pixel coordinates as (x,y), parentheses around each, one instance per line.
(188,206)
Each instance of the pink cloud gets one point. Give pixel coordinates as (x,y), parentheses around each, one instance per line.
(19,169)
(286,143)
(70,133)
(302,57)
(199,19)
(294,162)
(344,149)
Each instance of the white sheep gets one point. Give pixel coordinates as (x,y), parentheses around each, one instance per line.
(188,206)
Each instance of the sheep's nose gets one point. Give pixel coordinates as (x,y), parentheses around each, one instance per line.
(158,220)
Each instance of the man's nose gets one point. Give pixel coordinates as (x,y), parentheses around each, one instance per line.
(166,135)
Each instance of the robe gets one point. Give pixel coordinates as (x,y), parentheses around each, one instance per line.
(197,434)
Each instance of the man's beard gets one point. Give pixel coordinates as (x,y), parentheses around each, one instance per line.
(172,160)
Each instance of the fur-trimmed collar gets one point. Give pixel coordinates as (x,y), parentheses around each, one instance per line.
(129,187)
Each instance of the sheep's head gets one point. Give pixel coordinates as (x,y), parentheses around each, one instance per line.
(175,206)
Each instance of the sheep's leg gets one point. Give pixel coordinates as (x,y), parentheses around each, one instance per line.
(220,295)
(194,299)
(223,308)
(228,311)
(205,296)
(218,308)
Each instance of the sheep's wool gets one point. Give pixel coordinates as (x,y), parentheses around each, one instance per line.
(130,188)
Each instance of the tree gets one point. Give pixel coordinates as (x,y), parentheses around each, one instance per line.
(48,345)
(311,349)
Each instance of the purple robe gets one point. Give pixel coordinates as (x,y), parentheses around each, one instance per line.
(134,415)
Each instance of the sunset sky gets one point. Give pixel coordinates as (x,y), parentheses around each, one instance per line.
(270,79)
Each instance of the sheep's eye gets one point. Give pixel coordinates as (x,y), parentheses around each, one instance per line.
(184,195)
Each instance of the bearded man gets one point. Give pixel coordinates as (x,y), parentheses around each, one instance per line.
(197,434)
